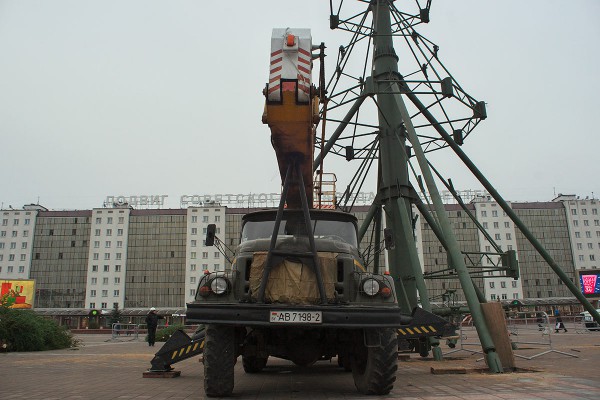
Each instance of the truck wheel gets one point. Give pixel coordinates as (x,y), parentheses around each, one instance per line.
(219,359)
(374,367)
(253,364)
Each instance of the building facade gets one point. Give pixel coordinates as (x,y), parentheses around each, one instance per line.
(136,259)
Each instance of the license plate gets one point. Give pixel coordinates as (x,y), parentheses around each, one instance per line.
(296,317)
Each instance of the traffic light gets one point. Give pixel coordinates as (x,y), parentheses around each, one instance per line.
(516,303)
(93,313)
(210,234)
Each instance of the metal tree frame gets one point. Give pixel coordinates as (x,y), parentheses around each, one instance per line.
(441,115)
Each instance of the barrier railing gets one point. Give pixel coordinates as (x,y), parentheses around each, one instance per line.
(128,331)
(466,330)
(535,332)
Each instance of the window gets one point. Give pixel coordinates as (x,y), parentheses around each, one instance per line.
(193,255)
(484,213)
(103,305)
(119,244)
(117,280)
(92,305)
(588,234)
(107,268)
(205,218)
(3,234)
(23,257)
(60,256)
(94,268)
(119,232)
(92,293)
(109,220)
(217,267)
(105,281)
(496,225)
(1,245)
(514,284)
(14,233)
(508,236)
(97,232)
(577,234)
(98,220)
(96,244)
(494,213)
(509,247)
(581,257)
(586,222)
(507,224)
(584,211)
(592,257)
(595,211)
(217,254)
(94,281)
(118,256)
(192,279)
(493,296)
(117,268)
(503,284)
(590,246)
(194,218)
(204,231)
(193,243)
(121,220)
(25,233)
(504,296)
(16,222)
(107,244)
(109,232)
(27,221)
(497,236)
(194,231)
(4,222)
(492,285)
(205,254)
(107,256)
(116,293)
(204,267)
(21,269)
(96,255)
(11,257)
(579,246)
(192,292)
(24,245)
(192,267)
(596,223)
(72,243)
(217,218)
(9,269)
(105,293)
(51,232)
(573,211)
(575,222)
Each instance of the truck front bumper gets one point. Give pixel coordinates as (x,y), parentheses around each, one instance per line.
(334,316)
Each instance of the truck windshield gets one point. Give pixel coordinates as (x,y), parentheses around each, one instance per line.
(322,229)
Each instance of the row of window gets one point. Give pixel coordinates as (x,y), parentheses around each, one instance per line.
(104,293)
(503,284)
(204,254)
(586,222)
(109,232)
(96,256)
(195,231)
(14,233)
(584,211)
(504,296)
(582,257)
(497,225)
(117,280)
(11,257)
(108,244)
(107,268)
(589,246)
(10,269)
(13,245)
(103,305)
(494,213)
(109,220)
(205,218)
(588,234)
(26,221)
(216,267)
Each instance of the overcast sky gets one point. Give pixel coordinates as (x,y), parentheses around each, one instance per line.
(147,97)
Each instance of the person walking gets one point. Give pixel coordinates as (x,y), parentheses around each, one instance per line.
(152,323)
(559,324)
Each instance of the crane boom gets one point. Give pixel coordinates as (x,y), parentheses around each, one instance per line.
(291,109)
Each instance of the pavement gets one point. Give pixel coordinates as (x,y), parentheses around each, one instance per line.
(106,368)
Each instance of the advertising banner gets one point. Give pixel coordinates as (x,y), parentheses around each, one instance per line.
(590,283)
(18,293)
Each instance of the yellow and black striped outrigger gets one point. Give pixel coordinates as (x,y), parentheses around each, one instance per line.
(179,347)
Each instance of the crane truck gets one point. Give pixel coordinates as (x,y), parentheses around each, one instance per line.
(298,288)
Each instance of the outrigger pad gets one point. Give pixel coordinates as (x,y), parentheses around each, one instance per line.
(425,323)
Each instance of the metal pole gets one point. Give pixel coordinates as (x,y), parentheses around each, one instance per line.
(487,343)
(505,207)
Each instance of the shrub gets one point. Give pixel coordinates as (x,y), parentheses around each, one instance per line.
(23,330)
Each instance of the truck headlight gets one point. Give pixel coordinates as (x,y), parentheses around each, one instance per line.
(219,285)
(370,287)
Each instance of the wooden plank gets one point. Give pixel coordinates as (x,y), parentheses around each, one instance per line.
(495,320)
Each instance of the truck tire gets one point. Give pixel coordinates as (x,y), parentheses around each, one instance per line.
(219,360)
(374,367)
(253,364)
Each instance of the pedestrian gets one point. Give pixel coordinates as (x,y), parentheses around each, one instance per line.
(559,324)
(152,323)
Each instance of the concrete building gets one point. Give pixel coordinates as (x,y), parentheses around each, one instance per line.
(16,240)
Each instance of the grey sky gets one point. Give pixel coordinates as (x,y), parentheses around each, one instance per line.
(155,97)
